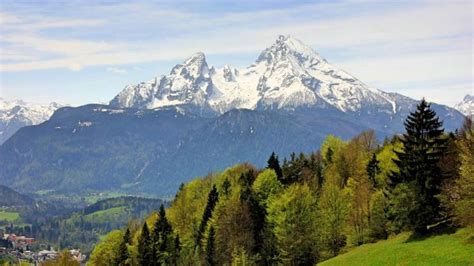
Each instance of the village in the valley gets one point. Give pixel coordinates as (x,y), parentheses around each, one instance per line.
(19,248)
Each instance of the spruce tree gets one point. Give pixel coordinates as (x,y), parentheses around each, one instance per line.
(256,211)
(274,164)
(423,146)
(160,235)
(127,237)
(212,199)
(210,249)
(373,169)
(122,252)
(145,247)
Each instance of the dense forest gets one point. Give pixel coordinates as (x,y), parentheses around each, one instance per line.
(311,207)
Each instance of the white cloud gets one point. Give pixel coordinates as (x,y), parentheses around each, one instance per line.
(75,67)
(420,41)
(116,70)
(418,27)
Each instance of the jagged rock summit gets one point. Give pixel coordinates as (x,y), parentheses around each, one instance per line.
(287,75)
(17,114)
(466,106)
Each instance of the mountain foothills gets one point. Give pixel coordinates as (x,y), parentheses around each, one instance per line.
(198,119)
(411,194)
(17,114)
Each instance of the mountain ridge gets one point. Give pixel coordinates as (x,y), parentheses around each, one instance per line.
(17,114)
(466,106)
(287,75)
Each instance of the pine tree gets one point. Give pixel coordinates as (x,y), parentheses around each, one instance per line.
(122,253)
(274,164)
(373,170)
(127,238)
(210,249)
(145,249)
(423,146)
(256,211)
(212,199)
(160,235)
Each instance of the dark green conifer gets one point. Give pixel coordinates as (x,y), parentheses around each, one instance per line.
(161,233)
(212,199)
(273,163)
(373,169)
(122,258)
(145,247)
(423,146)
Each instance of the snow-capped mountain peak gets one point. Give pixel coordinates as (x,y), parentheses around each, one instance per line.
(466,106)
(16,114)
(286,47)
(287,75)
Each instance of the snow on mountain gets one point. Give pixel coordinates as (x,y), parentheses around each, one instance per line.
(17,114)
(286,75)
(466,106)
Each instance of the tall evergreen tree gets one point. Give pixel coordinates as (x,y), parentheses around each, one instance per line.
(210,248)
(122,257)
(161,233)
(257,212)
(212,199)
(127,237)
(423,146)
(373,170)
(273,163)
(145,249)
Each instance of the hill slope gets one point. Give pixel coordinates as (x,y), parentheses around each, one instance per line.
(451,249)
(11,198)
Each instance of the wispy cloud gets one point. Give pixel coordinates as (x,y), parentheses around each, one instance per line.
(401,27)
(382,43)
(116,70)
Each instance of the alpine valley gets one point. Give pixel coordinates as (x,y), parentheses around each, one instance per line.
(203,117)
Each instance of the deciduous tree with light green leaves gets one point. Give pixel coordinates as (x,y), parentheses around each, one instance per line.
(293,217)
(267,185)
(333,211)
(464,207)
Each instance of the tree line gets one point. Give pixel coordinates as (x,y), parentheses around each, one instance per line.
(310,207)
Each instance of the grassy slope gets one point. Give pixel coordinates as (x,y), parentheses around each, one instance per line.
(451,249)
(104,215)
(9,216)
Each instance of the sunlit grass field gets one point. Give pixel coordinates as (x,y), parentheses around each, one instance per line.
(9,216)
(447,249)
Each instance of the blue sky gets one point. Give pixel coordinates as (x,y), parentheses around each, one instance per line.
(78,52)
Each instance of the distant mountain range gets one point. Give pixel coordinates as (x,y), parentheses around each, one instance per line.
(198,119)
(17,114)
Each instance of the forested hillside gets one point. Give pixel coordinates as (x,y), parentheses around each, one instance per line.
(78,229)
(310,207)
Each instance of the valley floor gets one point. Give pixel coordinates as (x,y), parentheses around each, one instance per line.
(447,249)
